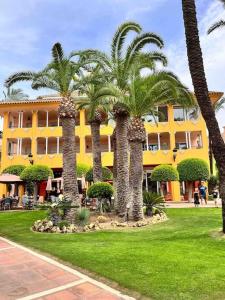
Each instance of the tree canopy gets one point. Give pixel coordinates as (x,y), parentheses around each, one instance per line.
(193,169)
(82,169)
(15,169)
(106,174)
(164,173)
(36,173)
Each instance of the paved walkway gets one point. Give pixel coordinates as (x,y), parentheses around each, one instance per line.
(26,275)
(191,204)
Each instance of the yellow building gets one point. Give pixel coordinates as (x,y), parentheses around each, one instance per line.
(32,126)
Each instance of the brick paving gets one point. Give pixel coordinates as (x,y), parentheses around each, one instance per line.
(26,275)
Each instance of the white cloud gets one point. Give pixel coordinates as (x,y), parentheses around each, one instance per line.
(213,48)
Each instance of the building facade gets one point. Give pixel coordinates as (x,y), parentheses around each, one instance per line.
(33,127)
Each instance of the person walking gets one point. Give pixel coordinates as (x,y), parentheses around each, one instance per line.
(215,196)
(202,192)
(196,197)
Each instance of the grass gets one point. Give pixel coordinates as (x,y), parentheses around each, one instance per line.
(178,259)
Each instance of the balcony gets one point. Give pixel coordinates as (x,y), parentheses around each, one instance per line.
(53,145)
(105,144)
(21,119)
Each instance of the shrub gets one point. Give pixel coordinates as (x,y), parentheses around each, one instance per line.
(63,223)
(100,190)
(106,174)
(82,169)
(164,173)
(193,169)
(153,202)
(82,217)
(36,173)
(15,169)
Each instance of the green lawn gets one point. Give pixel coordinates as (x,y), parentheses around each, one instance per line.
(178,259)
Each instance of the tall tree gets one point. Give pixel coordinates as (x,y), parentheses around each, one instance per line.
(197,71)
(60,75)
(118,65)
(14,94)
(92,85)
(145,94)
(218,24)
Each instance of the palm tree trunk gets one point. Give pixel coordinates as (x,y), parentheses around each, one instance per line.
(201,91)
(136,179)
(122,164)
(113,142)
(69,166)
(96,151)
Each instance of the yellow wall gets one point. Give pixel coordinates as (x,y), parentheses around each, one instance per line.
(150,158)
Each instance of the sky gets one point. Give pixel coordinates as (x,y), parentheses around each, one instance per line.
(29,28)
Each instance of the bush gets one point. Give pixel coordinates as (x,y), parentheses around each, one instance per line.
(82,169)
(36,173)
(106,174)
(164,173)
(100,190)
(82,217)
(63,223)
(193,169)
(153,202)
(15,169)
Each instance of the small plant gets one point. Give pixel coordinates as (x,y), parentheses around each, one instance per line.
(103,191)
(63,223)
(82,217)
(153,202)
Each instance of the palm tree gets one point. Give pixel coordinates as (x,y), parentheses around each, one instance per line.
(14,94)
(196,66)
(60,75)
(92,85)
(145,94)
(118,65)
(218,24)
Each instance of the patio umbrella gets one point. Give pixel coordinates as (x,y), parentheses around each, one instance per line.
(83,183)
(9,178)
(49,184)
(58,185)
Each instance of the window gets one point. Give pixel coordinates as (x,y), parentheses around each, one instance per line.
(179,113)
(162,114)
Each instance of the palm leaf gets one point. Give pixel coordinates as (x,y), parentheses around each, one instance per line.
(57,52)
(19,76)
(216,25)
(119,38)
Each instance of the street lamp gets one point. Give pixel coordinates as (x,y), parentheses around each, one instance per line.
(174,154)
(30,157)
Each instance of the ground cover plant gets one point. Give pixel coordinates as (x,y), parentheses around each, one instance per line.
(177,259)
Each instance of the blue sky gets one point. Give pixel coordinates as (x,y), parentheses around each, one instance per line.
(29,28)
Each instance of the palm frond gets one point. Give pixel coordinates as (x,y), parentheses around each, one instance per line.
(19,76)
(57,52)
(119,38)
(216,25)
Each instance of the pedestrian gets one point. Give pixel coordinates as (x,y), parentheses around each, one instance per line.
(202,192)
(215,196)
(25,200)
(196,197)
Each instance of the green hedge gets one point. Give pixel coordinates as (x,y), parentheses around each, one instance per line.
(193,169)
(164,173)
(100,190)
(82,169)
(15,169)
(36,173)
(106,174)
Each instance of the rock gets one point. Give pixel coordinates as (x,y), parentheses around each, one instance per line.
(54,229)
(58,230)
(64,229)
(42,229)
(121,225)
(102,219)
(73,228)
(91,226)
